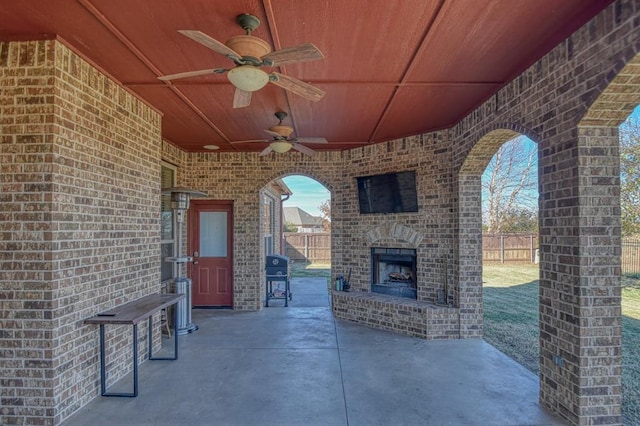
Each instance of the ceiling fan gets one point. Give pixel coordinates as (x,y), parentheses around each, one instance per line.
(282,140)
(249,54)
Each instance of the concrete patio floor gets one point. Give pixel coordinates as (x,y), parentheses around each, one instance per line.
(300,366)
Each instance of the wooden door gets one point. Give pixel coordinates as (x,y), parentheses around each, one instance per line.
(210,243)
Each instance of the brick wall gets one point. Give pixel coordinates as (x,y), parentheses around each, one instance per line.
(245,174)
(431,231)
(79,221)
(241,177)
(570,103)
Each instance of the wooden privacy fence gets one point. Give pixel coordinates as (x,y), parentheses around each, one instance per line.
(509,248)
(314,247)
(523,248)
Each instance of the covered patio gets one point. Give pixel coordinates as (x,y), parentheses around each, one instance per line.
(301,366)
(90,135)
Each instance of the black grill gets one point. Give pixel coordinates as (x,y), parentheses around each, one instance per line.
(277,265)
(277,268)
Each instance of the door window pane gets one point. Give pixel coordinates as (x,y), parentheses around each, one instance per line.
(213,234)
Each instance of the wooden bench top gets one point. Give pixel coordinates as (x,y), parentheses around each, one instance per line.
(135,311)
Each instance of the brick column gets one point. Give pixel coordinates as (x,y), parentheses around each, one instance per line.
(580,314)
(469,289)
(79,225)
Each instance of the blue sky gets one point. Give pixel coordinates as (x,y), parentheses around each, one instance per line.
(308,194)
(529,196)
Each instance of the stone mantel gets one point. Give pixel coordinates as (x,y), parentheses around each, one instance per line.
(394,231)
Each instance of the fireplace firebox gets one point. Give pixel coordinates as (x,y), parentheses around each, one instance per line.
(393,272)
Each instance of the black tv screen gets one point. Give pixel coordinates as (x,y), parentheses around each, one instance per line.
(388,193)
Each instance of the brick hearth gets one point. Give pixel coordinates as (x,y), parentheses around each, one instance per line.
(401,315)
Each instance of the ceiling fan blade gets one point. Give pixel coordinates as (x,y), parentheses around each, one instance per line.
(211,43)
(312,140)
(302,53)
(266,151)
(296,86)
(241,98)
(191,74)
(272,133)
(250,141)
(303,149)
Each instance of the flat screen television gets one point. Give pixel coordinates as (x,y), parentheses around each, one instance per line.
(388,193)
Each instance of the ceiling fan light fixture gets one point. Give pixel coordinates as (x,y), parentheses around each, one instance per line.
(281,146)
(248,78)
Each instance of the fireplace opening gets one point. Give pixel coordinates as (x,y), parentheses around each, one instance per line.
(393,272)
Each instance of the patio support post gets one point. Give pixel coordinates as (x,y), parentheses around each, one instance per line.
(580,313)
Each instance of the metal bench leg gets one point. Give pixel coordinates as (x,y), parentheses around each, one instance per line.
(175,340)
(103,375)
(103,385)
(135,360)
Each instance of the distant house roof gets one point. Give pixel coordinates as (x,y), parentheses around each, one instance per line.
(298,217)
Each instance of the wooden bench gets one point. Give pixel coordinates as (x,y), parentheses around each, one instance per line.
(132,313)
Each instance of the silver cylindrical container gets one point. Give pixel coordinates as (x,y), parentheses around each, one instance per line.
(182,285)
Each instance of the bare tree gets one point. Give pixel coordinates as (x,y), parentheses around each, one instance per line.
(325,209)
(630,176)
(510,186)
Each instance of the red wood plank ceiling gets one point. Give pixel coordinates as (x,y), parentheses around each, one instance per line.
(392,68)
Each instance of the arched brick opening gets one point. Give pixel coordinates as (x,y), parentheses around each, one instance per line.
(300,172)
(469,290)
(574,99)
(264,184)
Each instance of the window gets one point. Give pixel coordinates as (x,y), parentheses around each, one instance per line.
(167,235)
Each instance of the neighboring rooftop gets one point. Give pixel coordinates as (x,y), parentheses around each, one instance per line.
(298,217)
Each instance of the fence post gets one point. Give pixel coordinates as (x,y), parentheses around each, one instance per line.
(306,247)
(533,255)
(502,248)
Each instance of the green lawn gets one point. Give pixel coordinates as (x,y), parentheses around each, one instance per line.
(511,325)
(318,270)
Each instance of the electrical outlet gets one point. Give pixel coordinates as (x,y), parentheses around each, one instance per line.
(557,360)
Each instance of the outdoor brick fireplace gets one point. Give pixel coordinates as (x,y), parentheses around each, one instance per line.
(393,272)
(398,284)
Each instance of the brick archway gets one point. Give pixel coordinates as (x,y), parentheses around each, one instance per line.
(327,183)
(469,290)
(617,98)
(280,212)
